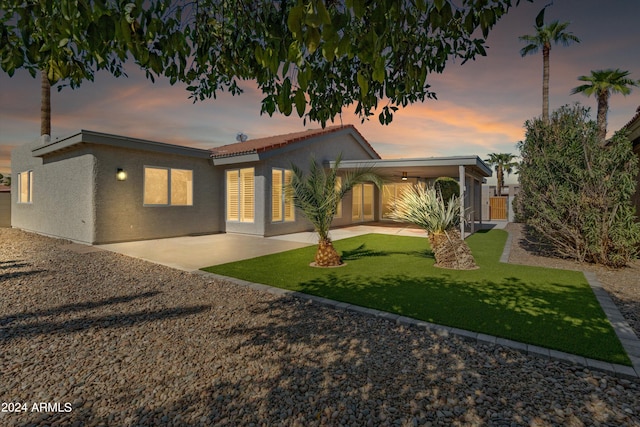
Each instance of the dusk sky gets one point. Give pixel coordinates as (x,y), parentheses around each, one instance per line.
(481,106)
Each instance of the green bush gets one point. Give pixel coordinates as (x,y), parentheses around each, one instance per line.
(448,187)
(576,193)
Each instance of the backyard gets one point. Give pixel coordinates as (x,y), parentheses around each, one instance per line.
(547,307)
(127,342)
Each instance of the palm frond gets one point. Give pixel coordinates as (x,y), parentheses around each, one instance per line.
(317,193)
(423,206)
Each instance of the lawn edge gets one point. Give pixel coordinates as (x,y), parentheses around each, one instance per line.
(620,371)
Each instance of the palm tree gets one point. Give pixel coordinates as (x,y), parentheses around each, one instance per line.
(426,208)
(45,105)
(602,83)
(503,163)
(318,193)
(543,38)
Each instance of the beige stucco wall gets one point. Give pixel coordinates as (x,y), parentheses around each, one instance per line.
(76,195)
(120,211)
(62,199)
(323,149)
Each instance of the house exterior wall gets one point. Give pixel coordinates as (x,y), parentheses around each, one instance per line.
(322,149)
(63,194)
(76,195)
(120,211)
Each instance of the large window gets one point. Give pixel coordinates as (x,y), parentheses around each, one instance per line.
(240,195)
(390,193)
(25,187)
(168,187)
(282,208)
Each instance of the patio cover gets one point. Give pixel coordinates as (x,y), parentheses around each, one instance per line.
(470,171)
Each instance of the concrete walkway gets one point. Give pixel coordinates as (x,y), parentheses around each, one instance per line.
(194,252)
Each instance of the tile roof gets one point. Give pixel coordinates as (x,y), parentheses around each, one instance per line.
(260,145)
(636,117)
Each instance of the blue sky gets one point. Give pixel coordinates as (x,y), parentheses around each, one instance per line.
(481,106)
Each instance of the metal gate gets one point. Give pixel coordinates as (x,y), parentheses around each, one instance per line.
(498,207)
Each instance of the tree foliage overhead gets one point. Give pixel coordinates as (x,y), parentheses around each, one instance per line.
(72,39)
(311,56)
(575,193)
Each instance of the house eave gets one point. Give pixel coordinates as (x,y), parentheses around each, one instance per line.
(91,137)
(235,159)
(468,161)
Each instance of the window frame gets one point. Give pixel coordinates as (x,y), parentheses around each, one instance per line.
(287,208)
(241,195)
(29,199)
(169,187)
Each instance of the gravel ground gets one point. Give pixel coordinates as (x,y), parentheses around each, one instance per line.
(118,341)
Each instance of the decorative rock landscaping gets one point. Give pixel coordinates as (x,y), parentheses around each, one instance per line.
(103,339)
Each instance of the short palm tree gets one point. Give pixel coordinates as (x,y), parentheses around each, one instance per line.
(318,193)
(503,163)
(602,83)
(543,38)
(425,207)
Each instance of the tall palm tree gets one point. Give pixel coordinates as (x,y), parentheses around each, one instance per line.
(543,38)
(45,105)
(318,193)
(503,163)
(602,83)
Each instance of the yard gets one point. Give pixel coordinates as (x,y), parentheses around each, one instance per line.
(547,307)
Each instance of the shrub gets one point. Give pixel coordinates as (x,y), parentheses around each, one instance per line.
(448,187)
(576,193)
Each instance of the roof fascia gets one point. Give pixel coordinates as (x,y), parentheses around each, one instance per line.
(90,137)
(420,162)
(240,158)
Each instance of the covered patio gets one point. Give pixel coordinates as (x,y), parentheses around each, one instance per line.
(469,171)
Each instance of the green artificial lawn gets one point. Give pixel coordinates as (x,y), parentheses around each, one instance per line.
(547,307)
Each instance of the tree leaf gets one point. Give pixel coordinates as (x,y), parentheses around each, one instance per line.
(301,102)
(363,82)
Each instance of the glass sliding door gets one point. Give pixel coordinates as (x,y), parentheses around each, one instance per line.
(362,203)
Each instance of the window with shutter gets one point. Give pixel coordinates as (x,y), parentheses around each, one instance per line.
(240,195)
(276,195)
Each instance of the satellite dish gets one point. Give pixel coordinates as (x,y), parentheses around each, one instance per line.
(241,137)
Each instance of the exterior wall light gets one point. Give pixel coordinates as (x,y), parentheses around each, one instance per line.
(404,176)
(121,175)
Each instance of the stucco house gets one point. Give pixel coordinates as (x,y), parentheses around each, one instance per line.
(98,188)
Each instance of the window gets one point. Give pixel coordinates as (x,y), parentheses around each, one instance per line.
(25,187)
(362,203)
(168,187)
(240,195)
(390,193)
(339,207)
(282,208)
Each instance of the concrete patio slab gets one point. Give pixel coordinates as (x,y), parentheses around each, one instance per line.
(193,252)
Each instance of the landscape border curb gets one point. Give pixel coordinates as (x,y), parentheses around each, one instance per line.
(620,371)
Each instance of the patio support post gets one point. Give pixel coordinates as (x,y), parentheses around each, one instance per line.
(462,202)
